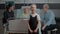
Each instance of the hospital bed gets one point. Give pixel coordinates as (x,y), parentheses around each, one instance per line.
(18,26)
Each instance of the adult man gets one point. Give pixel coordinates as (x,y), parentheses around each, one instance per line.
(49,19)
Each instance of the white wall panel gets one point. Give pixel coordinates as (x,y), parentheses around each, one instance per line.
(54,1)
(32,1)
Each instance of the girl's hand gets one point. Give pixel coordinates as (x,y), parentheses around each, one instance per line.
(31,31)
(35,31)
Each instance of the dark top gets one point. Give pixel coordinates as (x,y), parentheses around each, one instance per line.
(7,15)
(33,22)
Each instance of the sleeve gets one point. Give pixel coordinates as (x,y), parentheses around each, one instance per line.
(38,17)
(51,17)
(5,15)
(42,19)
(13,14)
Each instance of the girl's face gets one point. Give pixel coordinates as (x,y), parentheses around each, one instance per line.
(33,8)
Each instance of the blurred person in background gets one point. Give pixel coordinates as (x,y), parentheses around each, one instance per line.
(48,19)
(8,15)
(26,13)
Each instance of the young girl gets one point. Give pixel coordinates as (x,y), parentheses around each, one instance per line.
(34,21)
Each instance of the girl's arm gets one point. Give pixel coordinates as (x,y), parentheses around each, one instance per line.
(39,19)
(29,26)
(38,25)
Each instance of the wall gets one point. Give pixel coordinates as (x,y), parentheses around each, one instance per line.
(32,1)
